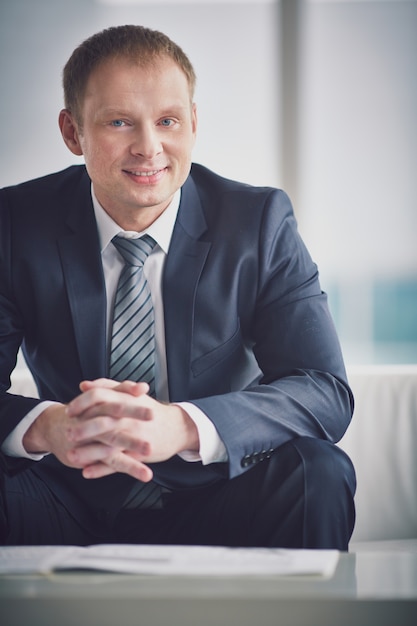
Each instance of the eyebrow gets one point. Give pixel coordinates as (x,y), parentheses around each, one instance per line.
(166,110)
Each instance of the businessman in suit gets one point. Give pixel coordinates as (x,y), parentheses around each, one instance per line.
(228,436)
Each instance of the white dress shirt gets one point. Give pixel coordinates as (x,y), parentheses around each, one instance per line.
(212,449)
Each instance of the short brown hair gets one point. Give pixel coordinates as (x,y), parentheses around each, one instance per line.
(136,43)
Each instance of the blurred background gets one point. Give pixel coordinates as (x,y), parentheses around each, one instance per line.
(318,97)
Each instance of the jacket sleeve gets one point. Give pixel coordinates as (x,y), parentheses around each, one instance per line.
(302,389)
(12,408)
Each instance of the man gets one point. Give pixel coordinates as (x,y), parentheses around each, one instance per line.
(215,422)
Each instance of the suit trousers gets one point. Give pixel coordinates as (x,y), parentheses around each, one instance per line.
(301,497)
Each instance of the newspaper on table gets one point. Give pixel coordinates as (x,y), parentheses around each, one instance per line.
(168,560)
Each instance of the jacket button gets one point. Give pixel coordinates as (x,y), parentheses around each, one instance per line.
(246,461)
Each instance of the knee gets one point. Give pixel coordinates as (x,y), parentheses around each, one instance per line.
(326,467)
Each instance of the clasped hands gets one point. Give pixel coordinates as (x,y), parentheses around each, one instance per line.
(112,427)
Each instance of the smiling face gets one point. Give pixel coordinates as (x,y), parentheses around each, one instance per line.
(137,134)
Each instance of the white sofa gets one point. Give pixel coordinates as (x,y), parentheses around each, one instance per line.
(382,443)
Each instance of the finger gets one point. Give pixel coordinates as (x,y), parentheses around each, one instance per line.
(126,386)
(83,431)
(114,411)
(129,441)
(111,402)
(98,470)
(95,396)
(103,460)
(115,408)
(135,389)
(123,434)
(120,463)
(98,382)
(89,454)
(132,388)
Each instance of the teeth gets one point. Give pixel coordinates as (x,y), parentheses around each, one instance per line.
(145,173)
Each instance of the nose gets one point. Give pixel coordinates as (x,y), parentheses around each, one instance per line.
(146,142)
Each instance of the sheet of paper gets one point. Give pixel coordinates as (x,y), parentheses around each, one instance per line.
(167,560)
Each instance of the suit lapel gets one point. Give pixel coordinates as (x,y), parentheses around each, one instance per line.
(184,264)
(80,256)
(81,263)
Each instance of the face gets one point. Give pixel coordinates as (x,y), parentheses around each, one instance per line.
(137,135)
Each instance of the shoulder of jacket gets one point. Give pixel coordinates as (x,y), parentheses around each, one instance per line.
(69,176)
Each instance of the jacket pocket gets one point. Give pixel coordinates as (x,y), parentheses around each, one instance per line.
(217,355)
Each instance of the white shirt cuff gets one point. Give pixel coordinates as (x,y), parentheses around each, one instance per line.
(13,444)
(212,448)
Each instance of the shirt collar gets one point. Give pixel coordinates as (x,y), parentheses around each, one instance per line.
(161,229)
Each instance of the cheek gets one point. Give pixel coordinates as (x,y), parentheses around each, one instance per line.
(98,147)
(98,156)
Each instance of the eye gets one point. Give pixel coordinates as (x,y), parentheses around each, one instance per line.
(117,123)
(167,122)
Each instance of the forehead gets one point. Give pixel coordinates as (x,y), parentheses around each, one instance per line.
(119,75)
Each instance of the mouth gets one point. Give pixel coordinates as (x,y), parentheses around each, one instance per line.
(145,176)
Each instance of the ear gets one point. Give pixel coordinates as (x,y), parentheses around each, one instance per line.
(194,119)
(70,132)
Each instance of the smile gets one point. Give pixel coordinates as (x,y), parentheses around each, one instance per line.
(145,174)
(150,177)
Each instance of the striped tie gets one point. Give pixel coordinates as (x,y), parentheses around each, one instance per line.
(132,355)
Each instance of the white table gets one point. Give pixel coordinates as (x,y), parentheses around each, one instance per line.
(368,587)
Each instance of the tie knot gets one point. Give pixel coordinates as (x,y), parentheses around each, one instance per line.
(134,251)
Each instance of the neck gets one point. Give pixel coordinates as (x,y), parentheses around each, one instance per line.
(138,220)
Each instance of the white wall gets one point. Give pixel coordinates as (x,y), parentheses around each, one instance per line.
(359,133)
(232,46)
(358,162)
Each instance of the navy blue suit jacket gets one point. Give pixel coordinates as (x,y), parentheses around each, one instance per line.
(249,338)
